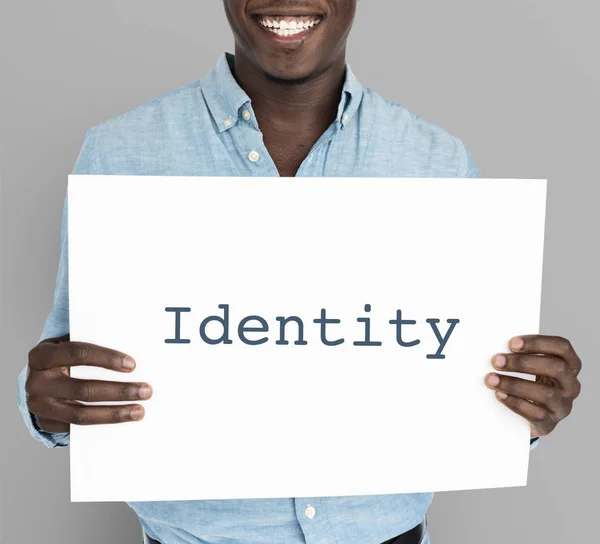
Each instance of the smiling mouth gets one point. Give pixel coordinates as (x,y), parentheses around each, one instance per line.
(288,26)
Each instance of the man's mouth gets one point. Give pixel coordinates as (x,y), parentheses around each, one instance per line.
(288,25)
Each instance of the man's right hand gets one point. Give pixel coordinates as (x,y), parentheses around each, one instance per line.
(54,397)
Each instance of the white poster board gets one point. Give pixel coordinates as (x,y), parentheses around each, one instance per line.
(247,420)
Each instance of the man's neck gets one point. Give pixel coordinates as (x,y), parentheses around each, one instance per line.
(305,105)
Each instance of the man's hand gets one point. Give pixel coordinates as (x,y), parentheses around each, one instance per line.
(53,396)
(547,400)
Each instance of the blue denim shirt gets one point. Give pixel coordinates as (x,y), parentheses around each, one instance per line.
(208,128)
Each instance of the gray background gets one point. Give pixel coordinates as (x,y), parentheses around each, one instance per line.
(517,80)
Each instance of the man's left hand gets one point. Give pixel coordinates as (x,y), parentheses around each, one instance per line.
(547,400)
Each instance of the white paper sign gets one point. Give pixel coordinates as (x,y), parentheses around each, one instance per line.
(263,414)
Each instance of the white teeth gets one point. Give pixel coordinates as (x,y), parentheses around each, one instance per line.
(285,32)
(286,27)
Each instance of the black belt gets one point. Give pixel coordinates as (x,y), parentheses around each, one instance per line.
(414,536)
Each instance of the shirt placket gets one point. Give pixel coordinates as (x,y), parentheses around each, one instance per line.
(311,165)
(254,154)
(250,144)
(312,517)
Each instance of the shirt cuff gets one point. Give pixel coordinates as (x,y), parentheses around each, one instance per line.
(50,440)
(534,442)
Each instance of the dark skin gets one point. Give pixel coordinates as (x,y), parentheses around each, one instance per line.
(295,87)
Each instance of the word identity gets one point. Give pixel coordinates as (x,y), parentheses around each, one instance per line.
(257,324)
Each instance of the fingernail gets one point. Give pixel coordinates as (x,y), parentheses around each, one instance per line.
(136,413)
(499,361)
(128,363)
(501,395)
(517,343)
(492,379)
(145,392)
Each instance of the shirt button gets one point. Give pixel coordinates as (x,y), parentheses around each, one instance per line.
(253,156)
(345,118)
(309,512)
(246,115)
(227,122)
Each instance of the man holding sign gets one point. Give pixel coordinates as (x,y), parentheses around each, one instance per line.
(287,104)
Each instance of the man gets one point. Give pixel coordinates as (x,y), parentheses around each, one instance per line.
(287,104)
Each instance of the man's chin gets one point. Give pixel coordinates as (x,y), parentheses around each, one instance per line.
(290,72)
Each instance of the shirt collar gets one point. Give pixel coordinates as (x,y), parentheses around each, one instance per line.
(352,93)
(225,97)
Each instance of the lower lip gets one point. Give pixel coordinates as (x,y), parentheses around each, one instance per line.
(287,39)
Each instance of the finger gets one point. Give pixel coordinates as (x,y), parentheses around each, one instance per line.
(543,394)
(46,355)
(547,345)
(539,365)
(52,426)
(97,390)
(80,414)
(537,415)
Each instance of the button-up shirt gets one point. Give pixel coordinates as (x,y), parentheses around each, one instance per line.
(209,128)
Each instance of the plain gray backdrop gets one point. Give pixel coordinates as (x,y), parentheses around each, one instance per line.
(517,80)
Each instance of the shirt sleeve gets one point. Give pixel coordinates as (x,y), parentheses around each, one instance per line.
(470,170)
(57,321)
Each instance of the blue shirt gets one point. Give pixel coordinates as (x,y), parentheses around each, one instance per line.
(208,128)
